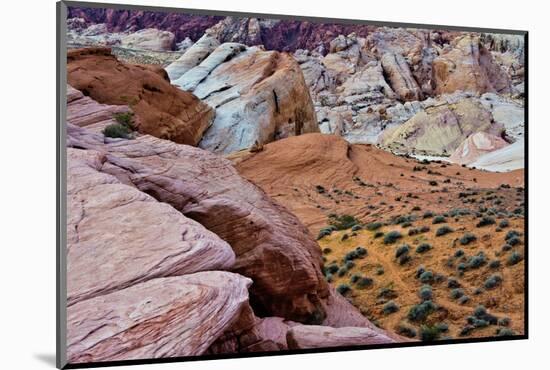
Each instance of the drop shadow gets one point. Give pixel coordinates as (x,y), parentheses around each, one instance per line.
(47,358)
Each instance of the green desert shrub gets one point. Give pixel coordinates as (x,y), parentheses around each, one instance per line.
(503,224)
(356,228)
(506,247)
(406,331)
(355,277)
(365,282)
(342,271)
(429,333)
(443,230)
(390,308)
(361,251)
(425,293)
(117,130)
(486,221)
(328,277)
(332,268)
(477,261)
(493,281)
(125,119)
(401,250)
(421,311)
(494,264)
(343,222)
(438,220)
(350,265)
(456,293)
(343,288)
(378,234)
(403,259)
(373,226)
(467,238)
(511,234)
(514,258)
(327,250)
(428,214)
(424,247)
(452,283)
(426,276)
(320,189)
(392,237)
(505,332)
(326,231)
(464,299)
(459,253)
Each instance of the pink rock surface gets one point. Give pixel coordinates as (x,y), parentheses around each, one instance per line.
(119,236)
(313,336)
(160,318)
(475,146)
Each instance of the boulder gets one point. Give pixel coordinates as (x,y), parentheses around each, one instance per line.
(258,96)
(401,78)
(192,56)
(118,236)
(272,246)
(507,112)
(313,336)
(160,109)
(149,39)
(475,146)
(468,66)
(160,318)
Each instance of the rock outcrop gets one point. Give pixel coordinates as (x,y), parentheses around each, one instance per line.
(439,130)
(401,78)
(259,96)
(160,109)
(508,158)
(149,39)
(273,248)
(468,66)
(83,111)
(475,146)
(160,318)
(312,336)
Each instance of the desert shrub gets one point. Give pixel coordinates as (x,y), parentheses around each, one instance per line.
(429,333)
(326,231)
(503,224)
(365,282)
(425,293)
(467,238)
(406,224)
(343,288)
(511,234)
(456,293)
(379,271)
(452,283)
(350,256)
(328,277)
(514,241)
(478,291)
(403,220)
(413,231)
(355,277)
(327,250)
(477,261)
(421,311)
(485,221)
(424,247)
(342,271)
(320,189)
(514,258)
(378,234)
(424,229)
(504,321)
(344,237)
(401,250)
(387,292)
(390,308)
(461,267)
(466,330)
(406,331)
(356,228)
(480,311)
(505,332)
(404,259)
(459,253)
(443,230)
(125,119)
(494,264)
(343,222)
(419,271)
(443,327)
(333,268)
(350,265)
(117,130)
(438,220)
(426,276)
(432,183)
(416,208)
(392,237)
(373,226)
(464,299)
(428,214)
(493,281)
(506,247)
(361,251)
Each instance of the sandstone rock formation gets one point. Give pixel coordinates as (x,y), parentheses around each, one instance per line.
(401,78)
(439,130)
(149,39)
(272,246)
(468,66)
(83,111)
(192,56)
(475,146)
(258,96)
(161,109)
(508,158)
(312,336)
(160,318)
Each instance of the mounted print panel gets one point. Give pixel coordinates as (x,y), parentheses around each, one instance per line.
(241,185)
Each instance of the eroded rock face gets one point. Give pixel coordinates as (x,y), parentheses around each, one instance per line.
(192,56)
(312,336)
(475,146)
(440,129)
(118,236)
(508,158)
(402,80)
(159,318)
(273,248)
(468,66)
(83,111)
(161,109)
(149,39)
(258,96)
